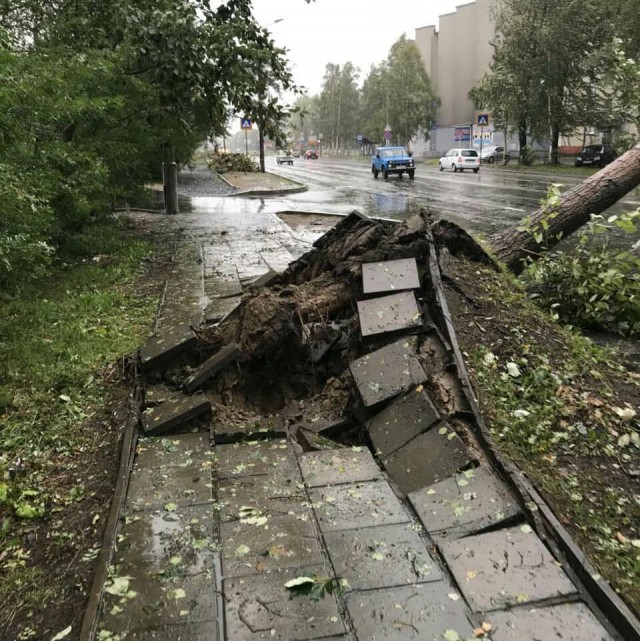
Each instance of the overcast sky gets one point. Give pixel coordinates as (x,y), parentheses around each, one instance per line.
(338,31)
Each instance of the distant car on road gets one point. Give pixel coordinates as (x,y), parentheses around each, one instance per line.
(598,155)
(392,160)
(460,159)
(311,154)
(284,158)
(492,154)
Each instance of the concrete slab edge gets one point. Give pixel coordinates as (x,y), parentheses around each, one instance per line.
(127,455)
(296,189)
(606,604)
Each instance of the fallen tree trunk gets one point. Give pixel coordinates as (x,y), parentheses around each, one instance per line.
(593,196)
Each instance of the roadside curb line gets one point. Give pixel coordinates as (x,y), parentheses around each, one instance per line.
(299,188)
(127,455)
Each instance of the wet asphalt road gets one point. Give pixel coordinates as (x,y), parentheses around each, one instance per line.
(483,203)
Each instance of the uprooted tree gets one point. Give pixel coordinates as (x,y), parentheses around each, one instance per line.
(555,221)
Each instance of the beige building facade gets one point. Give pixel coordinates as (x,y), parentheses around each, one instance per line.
(456,56)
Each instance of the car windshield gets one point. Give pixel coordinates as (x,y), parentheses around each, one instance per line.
(592,148)
(389,153)
(468,152)
(490,150)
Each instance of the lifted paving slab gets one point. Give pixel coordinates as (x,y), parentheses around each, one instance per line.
(381,557)
(390,275)
(387,372)
(227,432)
(173,413)
(401,421)
(344,507)
(422,612)
(388,314)
(430,457)
(505,568)
(567,622)
(228,354)
(171,342)
(333,467)
(260,607)
(465,504)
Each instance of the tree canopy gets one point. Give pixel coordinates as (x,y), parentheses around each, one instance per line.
(94,95)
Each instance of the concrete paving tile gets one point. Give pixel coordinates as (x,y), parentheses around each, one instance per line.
(181,450)
(388,314)
(567,622)
(180,542)
(156,394)
(465,504)
(390,275)
(420,612)
(505,568)
(227,355)
(428,458)
(402,420)
(222,286)
(173,413)
(278,493)
(151,489)
(159,601)
(343,507)
(381,557)
(166,345)
(231,432)
(253,457)
(387,372)
(264,280)
(280,542)
(216,309)
(278,258)
(260,607)
(207,631)
(332,467)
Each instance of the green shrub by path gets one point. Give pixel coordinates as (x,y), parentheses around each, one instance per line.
(596,286)
(222,164)
(57,336)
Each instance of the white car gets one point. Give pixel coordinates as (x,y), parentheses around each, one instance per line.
(460,159)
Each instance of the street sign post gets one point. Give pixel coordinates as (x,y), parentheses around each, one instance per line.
(482,119)
(387,135)
(246,124)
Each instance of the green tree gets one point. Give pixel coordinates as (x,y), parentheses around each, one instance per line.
(399,93)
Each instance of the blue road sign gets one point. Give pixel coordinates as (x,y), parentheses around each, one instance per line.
(245,123)
(482,119)
(359,137)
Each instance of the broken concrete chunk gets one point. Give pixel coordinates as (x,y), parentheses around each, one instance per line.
(462,505)
(390,275)
(387,372)
(260,427)
(175,412)
(168,344)
(264,280)
(389,314)
(312,441)
(212,366)
(401,421)
(430,457)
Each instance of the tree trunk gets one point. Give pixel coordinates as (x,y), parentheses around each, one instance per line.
(261,145)
(555,141)
(522,142)
(593,196)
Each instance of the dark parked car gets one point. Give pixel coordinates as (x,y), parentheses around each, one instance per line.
(598,155)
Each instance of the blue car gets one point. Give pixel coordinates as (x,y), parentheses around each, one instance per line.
(392,160)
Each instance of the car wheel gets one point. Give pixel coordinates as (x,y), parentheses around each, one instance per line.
(375,172)
(400,175)
(578,163)
(491,160)
(412,173)
(455,169)
(385,173)
(476,170)
(441,167)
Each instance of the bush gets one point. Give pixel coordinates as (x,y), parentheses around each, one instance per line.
(597,286)
(233,162)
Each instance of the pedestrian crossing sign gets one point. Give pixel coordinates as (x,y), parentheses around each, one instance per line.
(482,119)
(245,123)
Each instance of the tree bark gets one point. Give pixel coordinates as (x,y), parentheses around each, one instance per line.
(555,142)
(261,144)
(593,196)
(522,143)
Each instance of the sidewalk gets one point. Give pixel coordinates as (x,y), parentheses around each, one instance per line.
(424,542)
